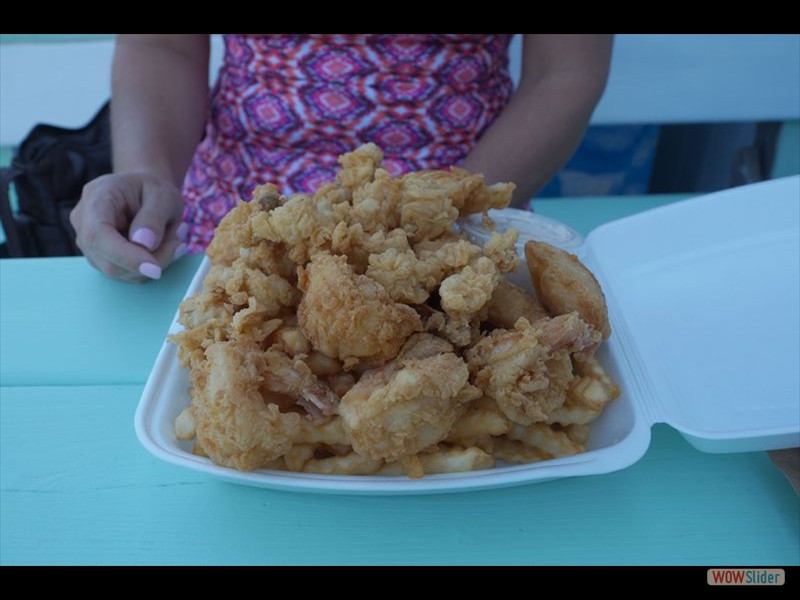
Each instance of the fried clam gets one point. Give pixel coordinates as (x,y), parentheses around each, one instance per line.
(466,192)
(233,237)
(466,295)
(411,275)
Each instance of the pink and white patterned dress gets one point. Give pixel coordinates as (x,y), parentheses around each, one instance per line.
(285,106)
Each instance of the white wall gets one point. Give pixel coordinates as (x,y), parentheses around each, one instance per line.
(59,83)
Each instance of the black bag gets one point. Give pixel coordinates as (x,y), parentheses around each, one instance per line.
(49,170)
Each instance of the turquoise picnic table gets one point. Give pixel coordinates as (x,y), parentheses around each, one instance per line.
(76,487)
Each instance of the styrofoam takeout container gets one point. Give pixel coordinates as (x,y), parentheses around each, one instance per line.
(704,300)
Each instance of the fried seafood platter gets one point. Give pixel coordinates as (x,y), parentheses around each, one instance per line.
(355,331)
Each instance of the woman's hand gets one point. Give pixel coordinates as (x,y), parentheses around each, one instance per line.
(127,224)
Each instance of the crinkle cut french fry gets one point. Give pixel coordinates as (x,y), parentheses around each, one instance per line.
(392,469)
(292,341)
(590,393)
(320,364)
(185,425)
(330,433)
(302,458)
(587,395)
(573,413)
(540,435)
(198,450)
(483,442)
(578,433)
(350,464)
(457,460)
(449,460)
(591,367)
(517,452)
(298,456)
(341,383)
(412,466)
(476,423)
(279,464)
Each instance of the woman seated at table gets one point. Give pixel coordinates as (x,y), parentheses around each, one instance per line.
(285,106)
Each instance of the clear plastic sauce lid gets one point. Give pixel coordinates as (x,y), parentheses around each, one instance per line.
(531,226)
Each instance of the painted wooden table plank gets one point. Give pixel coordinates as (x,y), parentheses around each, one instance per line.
(63,323)
(584,213)
(77,488)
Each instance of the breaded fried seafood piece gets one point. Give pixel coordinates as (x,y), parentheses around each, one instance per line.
(406,406)
(510,302)
(359,166)
(351,317)
(564,284)
(293,378)
(432,200)
(466,191)
(468,291)
(527,370)
(411,275)
(502,250)
(236,427)
(233,232)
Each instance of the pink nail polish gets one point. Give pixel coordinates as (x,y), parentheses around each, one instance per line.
(144,237)
(182,230)
(150,270)
(180,251)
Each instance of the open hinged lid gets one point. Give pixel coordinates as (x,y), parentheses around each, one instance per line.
(705,298)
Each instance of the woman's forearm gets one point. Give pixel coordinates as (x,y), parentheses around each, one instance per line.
(546,118)
(534,136)
(159,102)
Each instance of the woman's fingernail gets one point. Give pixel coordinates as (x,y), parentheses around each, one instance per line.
(182,230)
(180,251)
(150,270)
(144,237)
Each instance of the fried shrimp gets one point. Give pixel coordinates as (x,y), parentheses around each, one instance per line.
(399,410)
(294,378)
(235,426)
(527,370)
(351,317)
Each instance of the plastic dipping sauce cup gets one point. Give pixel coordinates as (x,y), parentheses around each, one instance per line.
(531,226)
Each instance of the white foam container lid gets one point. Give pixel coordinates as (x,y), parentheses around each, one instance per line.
(704,302)
(705,298)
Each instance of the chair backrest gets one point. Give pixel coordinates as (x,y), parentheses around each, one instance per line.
(699,78)
(703,78)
